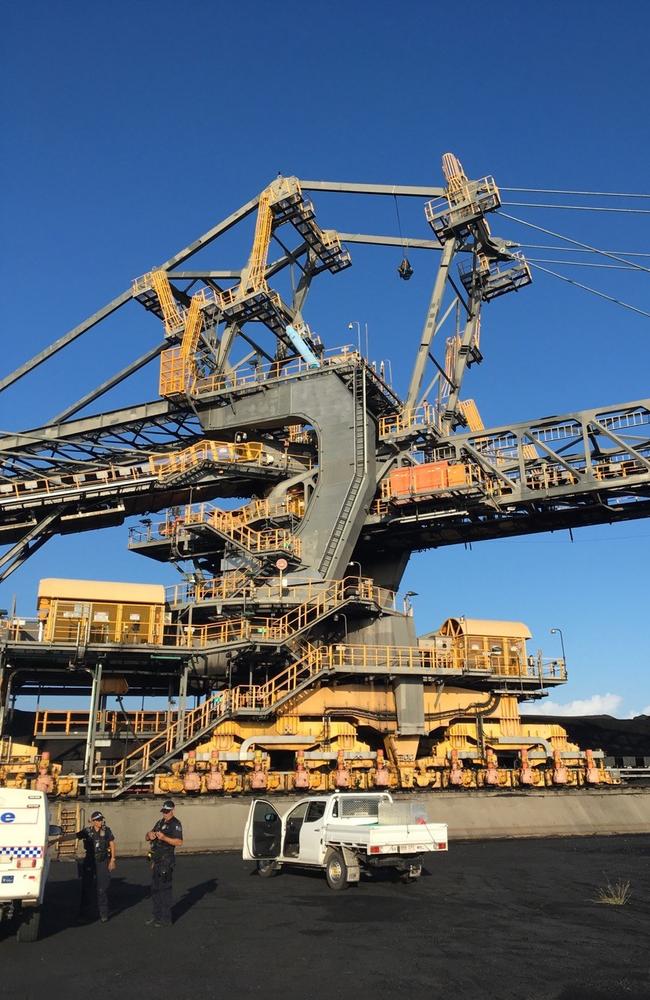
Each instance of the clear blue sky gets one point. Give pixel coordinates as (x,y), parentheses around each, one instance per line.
(130,128)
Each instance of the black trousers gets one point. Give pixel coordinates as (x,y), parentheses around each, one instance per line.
(95,881)
(161,891)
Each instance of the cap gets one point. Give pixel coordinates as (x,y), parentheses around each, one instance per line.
(96,815)
(167,806)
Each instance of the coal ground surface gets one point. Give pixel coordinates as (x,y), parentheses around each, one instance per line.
(495,920)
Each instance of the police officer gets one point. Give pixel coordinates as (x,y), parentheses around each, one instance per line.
(96,867)
(165,837)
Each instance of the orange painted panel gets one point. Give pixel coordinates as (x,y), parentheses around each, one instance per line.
(400,482)
(458,475)
(432,476)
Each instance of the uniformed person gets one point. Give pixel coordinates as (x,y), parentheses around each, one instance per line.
(165,837)
(96,867)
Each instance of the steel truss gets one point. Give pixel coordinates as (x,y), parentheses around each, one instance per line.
(585,467)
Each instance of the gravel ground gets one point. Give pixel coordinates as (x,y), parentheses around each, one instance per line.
(504,920)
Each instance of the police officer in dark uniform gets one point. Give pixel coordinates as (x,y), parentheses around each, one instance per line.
(96,867)
(165,837)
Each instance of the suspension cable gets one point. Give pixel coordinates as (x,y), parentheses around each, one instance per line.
(567,239)
(594,291)
(579,263)
(399,226)
(586,194)
(579,208)
(546,246)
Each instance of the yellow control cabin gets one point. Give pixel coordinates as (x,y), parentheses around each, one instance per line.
(95,611)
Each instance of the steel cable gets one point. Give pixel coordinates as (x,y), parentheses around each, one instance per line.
(594,291)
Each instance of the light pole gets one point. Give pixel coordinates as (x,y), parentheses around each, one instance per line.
(408,606)
(351,326)
(353,562)
(558,631)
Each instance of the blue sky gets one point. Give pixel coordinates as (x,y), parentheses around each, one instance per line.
(130,128)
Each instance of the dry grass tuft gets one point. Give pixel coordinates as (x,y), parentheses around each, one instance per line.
(614,893)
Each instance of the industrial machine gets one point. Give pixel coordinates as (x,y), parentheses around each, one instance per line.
(307,670)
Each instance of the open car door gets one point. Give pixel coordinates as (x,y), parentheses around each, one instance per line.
(263,832)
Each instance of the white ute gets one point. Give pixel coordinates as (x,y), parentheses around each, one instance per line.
(25,834)
(342,833)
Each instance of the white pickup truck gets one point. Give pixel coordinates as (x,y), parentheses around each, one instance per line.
(342,833)
(25,835)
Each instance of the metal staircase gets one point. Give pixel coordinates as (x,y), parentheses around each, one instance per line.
(323,602)
(113,780)
(358,386)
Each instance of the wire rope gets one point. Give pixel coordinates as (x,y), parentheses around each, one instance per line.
(567,239)
(579,208)
(399,226)
(579,263)
(586,194)
(594,291)
(545,246)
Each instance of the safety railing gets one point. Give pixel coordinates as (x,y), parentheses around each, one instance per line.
(230,585)
(273,372)
(176,462)
(66,626)
(255,697)
(182,729)
(159,466)
(265,696)
(258,510)
(415,658)
(177,373)
(406,420)
(223,520)
(54,485)
(235,528)
(49,722)
(320,602)
(323,602)
(21,629)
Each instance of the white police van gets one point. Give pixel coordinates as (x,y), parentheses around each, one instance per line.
(25,834)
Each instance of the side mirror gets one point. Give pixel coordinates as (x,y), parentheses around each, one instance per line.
(55,831)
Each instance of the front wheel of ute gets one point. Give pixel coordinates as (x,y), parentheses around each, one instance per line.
(336,871)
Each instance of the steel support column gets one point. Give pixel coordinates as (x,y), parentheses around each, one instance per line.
(5,691)
(469,334)
(95,699)
(430,324)
(182,705)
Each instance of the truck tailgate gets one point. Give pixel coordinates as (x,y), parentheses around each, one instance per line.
(412,838)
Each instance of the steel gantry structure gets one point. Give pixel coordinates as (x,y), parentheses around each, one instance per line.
(339,471)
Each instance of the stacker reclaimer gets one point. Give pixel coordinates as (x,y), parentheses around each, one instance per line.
(306,671)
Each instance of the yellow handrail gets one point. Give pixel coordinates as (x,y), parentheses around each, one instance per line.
(172,315)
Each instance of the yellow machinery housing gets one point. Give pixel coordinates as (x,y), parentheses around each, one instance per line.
(91,611)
